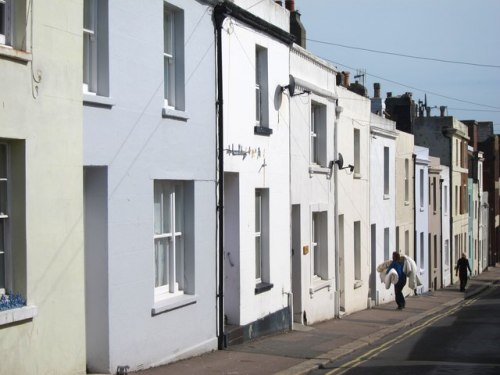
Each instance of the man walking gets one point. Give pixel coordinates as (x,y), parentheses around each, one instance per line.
(397,265)
(461,269)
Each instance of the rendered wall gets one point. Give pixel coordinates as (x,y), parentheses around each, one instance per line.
(354,200)
(265,164)
(422,216)
(313,299)
(44,121)
(382,205)
(137,145)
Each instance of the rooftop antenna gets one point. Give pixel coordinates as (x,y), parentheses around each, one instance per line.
(361,73)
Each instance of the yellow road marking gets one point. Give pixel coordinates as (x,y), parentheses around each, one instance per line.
(387,345)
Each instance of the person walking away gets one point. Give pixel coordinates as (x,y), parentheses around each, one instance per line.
(461,269)
(397,265)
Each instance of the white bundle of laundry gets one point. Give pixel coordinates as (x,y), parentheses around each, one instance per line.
(409,268)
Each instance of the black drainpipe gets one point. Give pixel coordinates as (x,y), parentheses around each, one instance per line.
(219,16)
(414,157)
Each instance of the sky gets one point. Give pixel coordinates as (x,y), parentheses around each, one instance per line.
(466,33)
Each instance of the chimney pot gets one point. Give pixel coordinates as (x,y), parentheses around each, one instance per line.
(389,94)
(442,110)
(376,90)
(290,5)
(345,79)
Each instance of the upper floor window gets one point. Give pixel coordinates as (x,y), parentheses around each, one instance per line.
(261,90)
(421,183)
(318,134)
(357,152)
(13,23)
(95,47)
(407,180)
(386,170)
(173,57)
(5,21)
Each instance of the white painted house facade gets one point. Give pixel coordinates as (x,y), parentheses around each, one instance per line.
(382,197)
(422,216)
(447,267)
(42,301)
(357,289)
(150,183)
(312,124)
(255,47)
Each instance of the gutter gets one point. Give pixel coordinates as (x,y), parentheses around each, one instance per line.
(219,16)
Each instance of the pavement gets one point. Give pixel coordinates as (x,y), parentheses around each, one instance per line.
(307,347)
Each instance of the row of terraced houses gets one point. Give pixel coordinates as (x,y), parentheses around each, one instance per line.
(184,175)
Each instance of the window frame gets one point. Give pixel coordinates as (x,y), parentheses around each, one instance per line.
(95,56)
(173,58)
(318,134)
(386,171)
(5,245)
(171,194)
(262,232)
(357,152)
(262,123)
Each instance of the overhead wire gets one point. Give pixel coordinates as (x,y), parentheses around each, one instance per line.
(405,55)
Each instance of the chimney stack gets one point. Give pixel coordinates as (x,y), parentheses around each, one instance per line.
(345,79)
(376,90)
(290,5)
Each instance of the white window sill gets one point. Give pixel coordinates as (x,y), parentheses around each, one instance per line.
(15,54)
(18,315)
(387,197)
(318,169)
(407,203)
(357,175)
(358,284)
(97,100)
(319,284)
(174,114)
(421,209)
(173,303)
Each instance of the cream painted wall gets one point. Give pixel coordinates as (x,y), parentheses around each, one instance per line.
(47,117)
(382,206)
(354,199)
(314,299)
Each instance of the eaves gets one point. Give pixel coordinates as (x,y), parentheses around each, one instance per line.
(227,9)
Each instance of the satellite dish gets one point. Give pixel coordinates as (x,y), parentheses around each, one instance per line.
(291,85)
(340,161)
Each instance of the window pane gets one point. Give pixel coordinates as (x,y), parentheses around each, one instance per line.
(258,206)
(3,161)
(179,262)
(161,262)
(2,21)
(178,208)
(89,7)
(3,197)
(258,258)
(2,254)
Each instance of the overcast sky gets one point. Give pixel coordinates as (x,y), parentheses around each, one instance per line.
(456,30)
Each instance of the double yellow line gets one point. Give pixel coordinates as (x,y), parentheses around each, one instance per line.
(387,345)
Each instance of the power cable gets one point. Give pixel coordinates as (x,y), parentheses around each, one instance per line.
(404,55)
